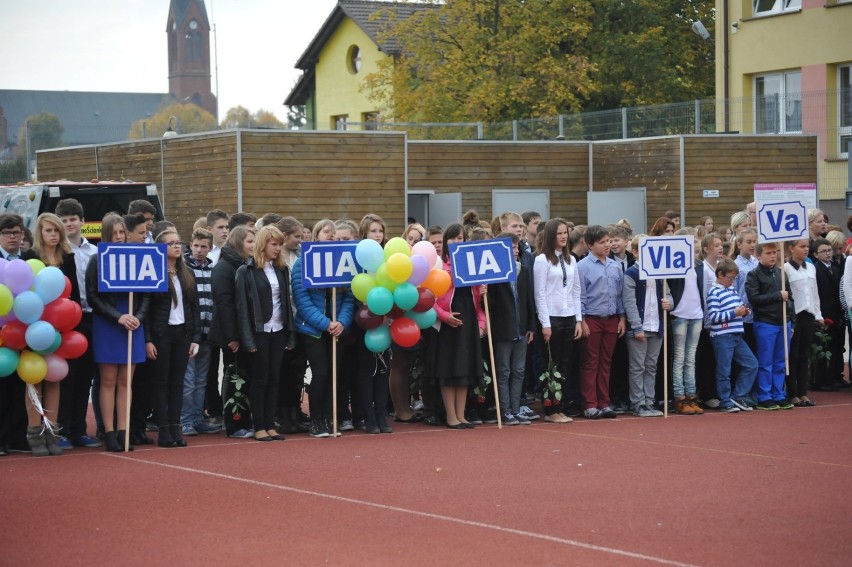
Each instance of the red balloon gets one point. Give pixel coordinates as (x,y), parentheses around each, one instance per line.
(366,319)
(66,293)
(63,314)
(73,345)
(405,332)
(395,313)
(425,302)
(13,335)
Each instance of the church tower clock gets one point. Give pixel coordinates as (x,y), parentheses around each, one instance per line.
(188,31)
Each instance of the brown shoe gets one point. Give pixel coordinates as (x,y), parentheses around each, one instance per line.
(682,406)
(693,402)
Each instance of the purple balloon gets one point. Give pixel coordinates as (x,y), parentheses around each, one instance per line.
(18,276)
(3,263)
(420,269)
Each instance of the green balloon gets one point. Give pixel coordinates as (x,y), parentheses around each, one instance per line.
(361,286)
(8,361)
(383,280)
(424,320)
(405,296)
(378,339)
(397,245)
(380,300)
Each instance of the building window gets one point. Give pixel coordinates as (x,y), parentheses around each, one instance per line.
(370,120)
(844,121)
(765,7)
(778,103)
(353,59)
(340,122)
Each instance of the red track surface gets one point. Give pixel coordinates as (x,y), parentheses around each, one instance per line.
(764,488)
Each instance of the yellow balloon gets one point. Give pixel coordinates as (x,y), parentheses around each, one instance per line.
(31,367)
(397,245)
(36,265)
(399,267)
(6,300)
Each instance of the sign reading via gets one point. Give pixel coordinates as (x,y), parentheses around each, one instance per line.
(329,264)
(132,267)
(483,262)
(782,221)
(665,257)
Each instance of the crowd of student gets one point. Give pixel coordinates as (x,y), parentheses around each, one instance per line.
(579,330)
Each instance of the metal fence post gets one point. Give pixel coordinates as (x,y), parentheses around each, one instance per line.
(623,123)
(514,130)
(697,116)
(561,126)
(479,131)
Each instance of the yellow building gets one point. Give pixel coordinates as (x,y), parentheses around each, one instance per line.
(346,49)
(785,66)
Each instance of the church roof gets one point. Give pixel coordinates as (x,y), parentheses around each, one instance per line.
(88,117)
(371,16)
(181,7)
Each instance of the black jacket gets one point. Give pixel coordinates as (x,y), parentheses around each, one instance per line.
(763,288)
(828,287)
(223,326)
(161,305)
(508,321)
(104,303)
(253,295)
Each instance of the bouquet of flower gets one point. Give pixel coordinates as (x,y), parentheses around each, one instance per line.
(238,402)
(551,391)
(482,387)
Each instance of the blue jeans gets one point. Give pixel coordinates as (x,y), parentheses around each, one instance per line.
(510,358)
(194,384)
(732,348)
(770,360)
(685,333)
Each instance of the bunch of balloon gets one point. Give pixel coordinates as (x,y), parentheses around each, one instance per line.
(37,320)
(401,284)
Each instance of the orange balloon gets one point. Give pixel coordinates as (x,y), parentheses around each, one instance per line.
(437,281)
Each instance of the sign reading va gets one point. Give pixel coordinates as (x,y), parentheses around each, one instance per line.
(483,262)
(329,264)
(782,221)
(132,267)
(665,257)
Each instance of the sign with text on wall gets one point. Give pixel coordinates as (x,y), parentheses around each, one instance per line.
(483,262)
(782,210)
(665,257)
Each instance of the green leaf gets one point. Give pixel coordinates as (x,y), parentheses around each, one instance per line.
(558,395)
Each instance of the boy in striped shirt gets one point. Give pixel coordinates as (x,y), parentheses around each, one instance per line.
(726,311)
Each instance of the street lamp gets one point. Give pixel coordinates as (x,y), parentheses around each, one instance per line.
(170,132)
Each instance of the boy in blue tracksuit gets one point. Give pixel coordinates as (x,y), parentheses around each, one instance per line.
(726,312)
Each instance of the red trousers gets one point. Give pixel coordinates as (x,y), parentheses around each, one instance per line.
(597,361)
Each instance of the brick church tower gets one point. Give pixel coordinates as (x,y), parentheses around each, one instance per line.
(189,54)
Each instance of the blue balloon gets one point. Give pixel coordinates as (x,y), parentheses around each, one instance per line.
(57,342)
(424,320)
(49,284)
(378,339)
(380,300)
(28,308)
(369,254)
(40,335)
(405,296)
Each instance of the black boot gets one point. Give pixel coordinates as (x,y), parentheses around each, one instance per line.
(371,423)
(329,426)
(285,422)
(111,443)
(297,420)
(52,442)
(382,421)
(36,440)
(318,428)
(164,438)
(177,436)
(120,436)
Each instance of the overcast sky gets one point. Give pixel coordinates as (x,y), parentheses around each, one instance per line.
(120,46)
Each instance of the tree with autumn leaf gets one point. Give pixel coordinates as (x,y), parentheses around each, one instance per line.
(241,117)
(190,118)
(499,60)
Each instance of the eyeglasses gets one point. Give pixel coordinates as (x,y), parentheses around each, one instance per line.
(729,276)
(827,251)
(174,244)
(11,233)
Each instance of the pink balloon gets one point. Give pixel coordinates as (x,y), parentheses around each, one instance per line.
(57,368)
(424,248)
(420,269)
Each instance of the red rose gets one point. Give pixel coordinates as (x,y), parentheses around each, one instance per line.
(480,399)
(237,417)
(547,403)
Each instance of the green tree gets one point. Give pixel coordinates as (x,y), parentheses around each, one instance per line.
(42,131)
(486,60)
(188,118)
(241,117)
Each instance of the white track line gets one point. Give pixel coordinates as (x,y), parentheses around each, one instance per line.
(389,508)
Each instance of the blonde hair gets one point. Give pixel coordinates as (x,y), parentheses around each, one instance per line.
(319,226)
(64,247)
(414,226)
(262,238)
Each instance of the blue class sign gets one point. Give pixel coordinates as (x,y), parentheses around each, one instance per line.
(483,262)
(132,267)
(665,257)
(329,264)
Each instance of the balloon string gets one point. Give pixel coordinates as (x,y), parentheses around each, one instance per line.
(47,425)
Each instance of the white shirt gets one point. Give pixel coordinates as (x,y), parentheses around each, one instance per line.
(213,255)
(552,298)
(82,254)
(274,324)
(690,305)
(176,313)
(651,322)
(803,288)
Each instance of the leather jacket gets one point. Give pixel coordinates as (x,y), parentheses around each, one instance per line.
(254,303)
